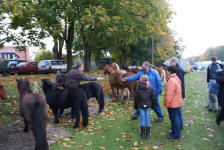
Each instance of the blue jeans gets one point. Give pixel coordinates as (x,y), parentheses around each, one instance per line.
(157,109)
(175,121)
(145,116)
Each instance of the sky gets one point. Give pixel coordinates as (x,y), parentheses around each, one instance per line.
(200,24)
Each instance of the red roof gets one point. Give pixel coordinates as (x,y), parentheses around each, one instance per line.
(21,54)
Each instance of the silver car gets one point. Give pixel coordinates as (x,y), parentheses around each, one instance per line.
(52,66)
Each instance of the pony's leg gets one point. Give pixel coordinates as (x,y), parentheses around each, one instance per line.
(85,113)
(98,99)
(77,114)
(61,112)
(26,127)
(55,112)
(73,113)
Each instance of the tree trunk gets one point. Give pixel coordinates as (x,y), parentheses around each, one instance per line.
(87,61)
(57,53)
(87,51)
(69,42)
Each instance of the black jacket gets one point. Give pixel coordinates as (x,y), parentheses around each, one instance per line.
(211,71)
(74,77)
(180,74)
(144,97)
(220,81)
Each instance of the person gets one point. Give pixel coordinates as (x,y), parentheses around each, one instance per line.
(75,76)
(173,102)
(220,81)
(156,84)
(212,84)
(180,74)
(144,101)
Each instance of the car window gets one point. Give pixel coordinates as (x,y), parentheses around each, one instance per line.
(43,63)
(60,63)
(54,63)
(32,64)
(22,64)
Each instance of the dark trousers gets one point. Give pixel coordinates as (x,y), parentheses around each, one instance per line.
(174,114)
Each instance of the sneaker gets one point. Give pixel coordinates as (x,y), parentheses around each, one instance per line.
(172,138)
(210,110)
(133,118)
(159,120)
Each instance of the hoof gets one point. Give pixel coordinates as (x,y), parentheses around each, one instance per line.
(26,130)
(56,121)
(75,127)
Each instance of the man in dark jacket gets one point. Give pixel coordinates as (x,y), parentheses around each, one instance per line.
(75,75)
(211,78)
(180,73)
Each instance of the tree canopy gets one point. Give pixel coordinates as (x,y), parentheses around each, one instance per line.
(95,27)
(43,54)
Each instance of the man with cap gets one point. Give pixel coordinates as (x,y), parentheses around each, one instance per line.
(212,84)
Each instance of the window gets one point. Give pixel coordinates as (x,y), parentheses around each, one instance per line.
(32,64)
(53,63)
(22,64)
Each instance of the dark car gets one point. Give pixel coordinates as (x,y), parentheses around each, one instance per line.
(26,68)
(14,63)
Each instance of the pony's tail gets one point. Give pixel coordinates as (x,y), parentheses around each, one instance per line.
(102,98)
(39,126)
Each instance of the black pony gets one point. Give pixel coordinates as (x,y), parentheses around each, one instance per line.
(32,108)
(59,99)
(220,117)
(92,89)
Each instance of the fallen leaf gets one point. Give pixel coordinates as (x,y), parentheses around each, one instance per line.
(155,147)
(117,139)
(136,144)
(102,147)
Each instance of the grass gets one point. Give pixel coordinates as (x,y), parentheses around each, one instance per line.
(114,130)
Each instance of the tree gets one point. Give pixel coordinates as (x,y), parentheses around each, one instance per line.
(43,55)
(95,26)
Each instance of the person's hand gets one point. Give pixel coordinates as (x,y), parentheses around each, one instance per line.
(123,79)
(100,79)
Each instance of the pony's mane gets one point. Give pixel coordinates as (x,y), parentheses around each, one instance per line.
(24,86)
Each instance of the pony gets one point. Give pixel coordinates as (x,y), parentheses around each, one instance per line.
(162,72)
(114,68)
(32,108)
(92,89)
(220,117)
(2,92)
(116,82)
(59,99)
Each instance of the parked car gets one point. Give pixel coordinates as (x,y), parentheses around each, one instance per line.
(8,67)
(26,68)
(52,66)
(14,63)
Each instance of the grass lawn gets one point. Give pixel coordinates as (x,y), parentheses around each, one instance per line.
(114,130)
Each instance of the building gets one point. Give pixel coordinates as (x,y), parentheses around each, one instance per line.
(11,53)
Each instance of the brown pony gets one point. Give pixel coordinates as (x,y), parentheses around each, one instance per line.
(32,108)
(114,68)
(162,72)
(116,82)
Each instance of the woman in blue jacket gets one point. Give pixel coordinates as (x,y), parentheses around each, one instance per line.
(156,84)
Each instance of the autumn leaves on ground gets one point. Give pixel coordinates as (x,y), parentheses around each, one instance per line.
(113,129)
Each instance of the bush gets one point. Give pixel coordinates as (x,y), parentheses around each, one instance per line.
(43,55)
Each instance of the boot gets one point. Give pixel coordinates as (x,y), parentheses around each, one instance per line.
(142,132)
(147,132)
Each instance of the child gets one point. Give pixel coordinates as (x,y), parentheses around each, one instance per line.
(173,102)
(144,101)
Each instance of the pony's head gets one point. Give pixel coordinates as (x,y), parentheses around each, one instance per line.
(23,86)
(60,80)
(47,84)
(108,70)
(115,66)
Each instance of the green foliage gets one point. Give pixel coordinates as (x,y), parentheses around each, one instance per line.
(43,55)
